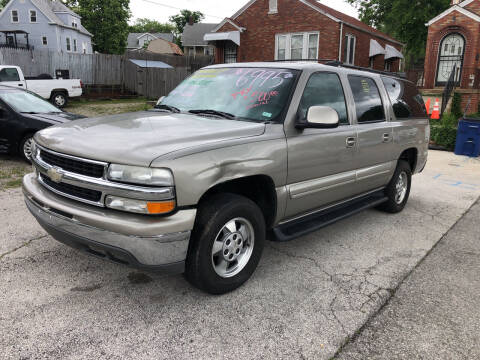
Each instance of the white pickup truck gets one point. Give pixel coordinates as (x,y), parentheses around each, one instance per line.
(55,90)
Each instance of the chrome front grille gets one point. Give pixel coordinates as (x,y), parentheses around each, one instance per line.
(76,166)
(85,180)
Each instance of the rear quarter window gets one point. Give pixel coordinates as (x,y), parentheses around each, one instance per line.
(406,101)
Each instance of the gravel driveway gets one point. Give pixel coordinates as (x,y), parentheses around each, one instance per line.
(305,300)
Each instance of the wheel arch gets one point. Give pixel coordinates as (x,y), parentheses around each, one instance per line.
(411,156)
(258,188)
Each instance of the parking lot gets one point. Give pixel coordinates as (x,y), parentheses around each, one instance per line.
(306,299)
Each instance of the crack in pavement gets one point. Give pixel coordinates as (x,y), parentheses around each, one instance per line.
(22,246)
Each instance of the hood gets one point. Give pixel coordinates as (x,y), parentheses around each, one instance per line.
(54,118)
(139,138)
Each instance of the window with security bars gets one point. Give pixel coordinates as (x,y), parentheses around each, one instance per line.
(451,52)
(230,53)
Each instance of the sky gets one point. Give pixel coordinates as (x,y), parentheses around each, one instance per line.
(214,10)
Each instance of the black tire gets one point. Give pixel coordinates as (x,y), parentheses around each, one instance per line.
(211,219)
(393,205)
(22,148)
(59,99)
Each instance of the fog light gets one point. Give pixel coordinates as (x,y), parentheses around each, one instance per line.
(140,206)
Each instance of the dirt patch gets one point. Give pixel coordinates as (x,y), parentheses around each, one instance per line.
(12,171)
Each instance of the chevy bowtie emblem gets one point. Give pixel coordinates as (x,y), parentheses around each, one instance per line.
(55,174)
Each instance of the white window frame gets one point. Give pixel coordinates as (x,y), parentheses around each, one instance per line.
(11,16)
(349,49)
(30,16)
(68,42)
(75,45)
(273,6)
(84,47)
(74,23)
(45,37)
(288,44)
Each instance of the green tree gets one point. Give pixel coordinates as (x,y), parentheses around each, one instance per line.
(403,19)
(107,20)
(182,19)
(3,3)
(144,25)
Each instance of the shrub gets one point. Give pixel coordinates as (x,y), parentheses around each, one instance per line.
(445,136)
(457,105)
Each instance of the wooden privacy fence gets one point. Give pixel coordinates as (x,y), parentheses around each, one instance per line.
(108,70)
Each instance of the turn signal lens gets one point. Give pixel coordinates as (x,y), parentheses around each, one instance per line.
(160,207)
(140,206)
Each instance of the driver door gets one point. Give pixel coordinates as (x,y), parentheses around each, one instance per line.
(321,162)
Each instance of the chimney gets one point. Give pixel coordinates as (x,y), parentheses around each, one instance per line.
(190,19)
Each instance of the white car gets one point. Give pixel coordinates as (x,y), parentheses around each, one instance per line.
(55,90)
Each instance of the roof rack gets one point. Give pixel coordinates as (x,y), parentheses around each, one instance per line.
(337,63)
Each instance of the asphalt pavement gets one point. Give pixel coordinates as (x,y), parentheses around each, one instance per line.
(307,299)
(435,312)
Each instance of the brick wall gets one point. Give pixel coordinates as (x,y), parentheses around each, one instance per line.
(455,22)
(258,41)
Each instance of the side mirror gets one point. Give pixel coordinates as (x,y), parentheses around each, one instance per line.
(160,100)
(320,117)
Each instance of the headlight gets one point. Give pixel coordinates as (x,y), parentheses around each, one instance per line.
(140,175)
(140,206)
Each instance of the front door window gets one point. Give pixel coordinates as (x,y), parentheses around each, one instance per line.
(230,54)
(452,49)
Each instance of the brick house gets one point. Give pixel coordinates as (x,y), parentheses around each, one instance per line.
(453,40)
(266,30)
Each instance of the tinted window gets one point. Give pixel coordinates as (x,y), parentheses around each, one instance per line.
(9,74)
(406,101)
(368,103)
(324,89)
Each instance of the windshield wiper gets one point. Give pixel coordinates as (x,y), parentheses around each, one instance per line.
(214,112)
(170,108)
(28,112)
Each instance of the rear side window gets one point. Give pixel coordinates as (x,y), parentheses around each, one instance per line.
(406,101)
(368,102)
(324,89)
(9,74)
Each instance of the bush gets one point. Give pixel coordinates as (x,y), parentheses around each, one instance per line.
(457,105)
(445,136)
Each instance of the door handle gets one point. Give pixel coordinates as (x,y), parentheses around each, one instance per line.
(351,141)
(386,138)
(20,84)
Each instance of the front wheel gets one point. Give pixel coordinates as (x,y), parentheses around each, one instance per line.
(25,149)
(59,99)
(227,244)
(398,190)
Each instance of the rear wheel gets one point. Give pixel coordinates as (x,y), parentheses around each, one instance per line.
(398,190)
(25,148)
(227,243)
(59,99)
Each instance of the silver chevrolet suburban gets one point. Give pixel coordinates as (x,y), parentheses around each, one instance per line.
(234,155)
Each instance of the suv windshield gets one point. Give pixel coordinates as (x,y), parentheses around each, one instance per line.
(257,94)
(24,102)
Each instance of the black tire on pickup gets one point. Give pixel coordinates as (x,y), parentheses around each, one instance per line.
(59,99)
(227,243)
(398,190)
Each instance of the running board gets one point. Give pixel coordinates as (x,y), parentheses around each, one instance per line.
(310,223)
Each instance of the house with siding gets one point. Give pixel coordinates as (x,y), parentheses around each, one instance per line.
(192,39)
(138,41)
(43,24)
(267,30)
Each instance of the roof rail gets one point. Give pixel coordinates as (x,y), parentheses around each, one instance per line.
(337,63)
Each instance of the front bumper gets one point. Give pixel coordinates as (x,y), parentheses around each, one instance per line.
(150,243)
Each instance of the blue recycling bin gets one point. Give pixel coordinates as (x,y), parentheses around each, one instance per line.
(468,137)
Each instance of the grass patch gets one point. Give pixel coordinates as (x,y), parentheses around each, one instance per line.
(12,172)
(94,108)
